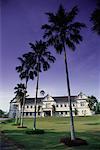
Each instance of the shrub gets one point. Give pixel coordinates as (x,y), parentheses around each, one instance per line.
(77,142)
(37,131)
(21,127)
(15,124)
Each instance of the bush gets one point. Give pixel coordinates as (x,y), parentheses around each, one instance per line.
(77,142)
(2,122)
(21,127)
(9,120)
(16,124)
(37,131)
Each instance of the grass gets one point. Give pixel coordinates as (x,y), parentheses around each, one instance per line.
(87,128)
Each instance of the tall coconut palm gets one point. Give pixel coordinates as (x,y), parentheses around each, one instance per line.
(42,58)
(20,90)
(95,18)
(25,72)
(61,32)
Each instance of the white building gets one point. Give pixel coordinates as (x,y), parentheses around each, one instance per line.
(53,106)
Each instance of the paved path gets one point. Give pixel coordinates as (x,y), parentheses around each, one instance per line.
(3,119)
(6,144)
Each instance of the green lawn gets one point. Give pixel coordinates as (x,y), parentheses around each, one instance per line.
(87,128)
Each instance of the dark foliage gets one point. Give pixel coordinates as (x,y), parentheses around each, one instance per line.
(41,56)
(97,108)
(25,70)
(2,113)
(95,18)
(15,124)
(20,90)
(92,102)
(62,29)
(37,131)
(2,122)
(77,142)
(21,127)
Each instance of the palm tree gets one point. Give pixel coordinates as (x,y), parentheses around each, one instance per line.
(25,72)
(20,90)
(95,18)
(42,58)
(61,32)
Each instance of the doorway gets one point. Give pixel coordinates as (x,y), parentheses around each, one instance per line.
(47,113)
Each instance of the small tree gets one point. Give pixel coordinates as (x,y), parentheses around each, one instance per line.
(92,102)
(2,113)
(97,108)
(20,91)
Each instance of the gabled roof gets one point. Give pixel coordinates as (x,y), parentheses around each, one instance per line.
(32,100)
(58,99)
(48,98)
(64,98)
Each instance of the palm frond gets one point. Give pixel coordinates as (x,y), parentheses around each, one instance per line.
(70,44)
(95,18)
(61,28)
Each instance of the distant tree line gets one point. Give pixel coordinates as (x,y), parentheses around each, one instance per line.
(3,114)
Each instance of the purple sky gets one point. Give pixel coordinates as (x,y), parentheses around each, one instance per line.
(21,21)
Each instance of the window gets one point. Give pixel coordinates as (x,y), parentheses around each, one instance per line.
(65,105)
(65,112)
(82,103)
(57,105)
(61,105)
(26,113)
(73,105)
(61,112)
(31,106)
(27,106)
(39,113)
(82,111)
(30,113)
(47,105)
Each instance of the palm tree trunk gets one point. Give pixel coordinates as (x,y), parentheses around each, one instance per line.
(20,110)
(69,98)
(23,106)
(36,101)
(16,118)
